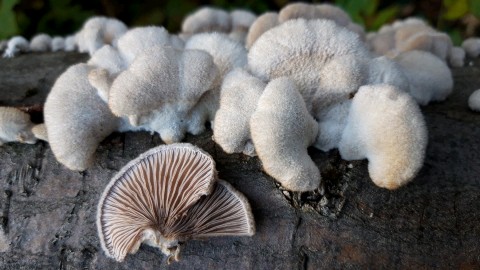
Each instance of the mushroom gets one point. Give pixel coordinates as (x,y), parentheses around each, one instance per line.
(456,57)
(70,43)
(165,197)
(311,11)
(58,44)
(331,126)
(40,132)
(41,43)
(474,101)
(139,39)
(241,22)
(326,61)
(77,120)
(238,100)
(281,130)
(429,77)
(161,86)
(383,70)
(15,126)
(386,126)
(227,54)
(16,45)
(262,24)
(98,31)
(472,46)
(207,19)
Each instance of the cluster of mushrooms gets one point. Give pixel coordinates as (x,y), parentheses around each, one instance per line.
(270,86)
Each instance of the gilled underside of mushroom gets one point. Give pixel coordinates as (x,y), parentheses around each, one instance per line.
(165,197)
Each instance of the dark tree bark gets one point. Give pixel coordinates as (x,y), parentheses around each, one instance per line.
(47,213)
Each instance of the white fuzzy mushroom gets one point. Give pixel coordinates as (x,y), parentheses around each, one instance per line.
(386,126)
(40,132)
(241,22)
(15,126)
(311,11)
(77,120)
(474,101)
(15,46)
(238,100)
(41,43)
(262,24)
(326,61)
(456,58)
(472,46)
(331,126)
(207,19)
(167,196)
(139,39)
(383,70)
(160,87)
(58,44)
(98,31)
(227,54)
(281,130)
(429,77)
(70,43)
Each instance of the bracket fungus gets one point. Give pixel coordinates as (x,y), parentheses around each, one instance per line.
(99,31)
(472,46)
(282,129)
(474,101)
(160,87)
(166,196)
(58,44)
(386,126)
(41,43)
(77,120)
(15,46)
(239,96)
(207,19)
(429,78)
(325,60)
(15,126)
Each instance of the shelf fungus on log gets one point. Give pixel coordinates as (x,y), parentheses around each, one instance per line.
(166,196)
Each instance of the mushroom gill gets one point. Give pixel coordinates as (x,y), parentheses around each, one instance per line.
(158,198)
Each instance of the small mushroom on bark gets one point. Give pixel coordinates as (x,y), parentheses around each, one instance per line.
(165,197)
(15,126)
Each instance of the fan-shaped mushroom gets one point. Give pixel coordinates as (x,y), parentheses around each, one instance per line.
(281,130)
(167,196)
(386,126)
(15,46)
(41,43)
(15,126)
(98,31)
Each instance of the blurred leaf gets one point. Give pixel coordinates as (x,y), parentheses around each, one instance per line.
(455,9)
(8,22)
(384,17)
(475,8)
(456,37)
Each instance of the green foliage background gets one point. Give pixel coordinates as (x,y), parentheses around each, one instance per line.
(460,18)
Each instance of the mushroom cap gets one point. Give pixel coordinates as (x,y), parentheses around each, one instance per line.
(70,43)
(98,31)
(331,126)
(386,126)
(311,12)
(15,126)
(262,24)
(242,19)
(159,198)
(162,75)
(383,70)
(40,43)
(207,19)
(238,100)
(77,120)
(15,45)
(58,44)
(429,77)
(140,39)
(109,58)
(325,60)
(40,132)
(472,46)
(281,130)
(438,44)
(227,54)
(456,57)
(474,101)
